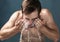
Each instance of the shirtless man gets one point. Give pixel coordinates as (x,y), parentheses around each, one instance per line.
(32,22)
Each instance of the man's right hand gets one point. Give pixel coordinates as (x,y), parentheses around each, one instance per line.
(19,24)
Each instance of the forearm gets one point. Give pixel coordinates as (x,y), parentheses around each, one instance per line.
(7,33)
(50,34)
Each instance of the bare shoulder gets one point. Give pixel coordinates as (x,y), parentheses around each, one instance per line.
(11,20)
(15,15)
(45,14)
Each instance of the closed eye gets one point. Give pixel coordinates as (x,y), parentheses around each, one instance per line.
(34,18)
(31,19)
(27,18)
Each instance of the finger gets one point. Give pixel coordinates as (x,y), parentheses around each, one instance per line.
(18,22)
(37,25)
(18,25)
(21,26)
(37,22)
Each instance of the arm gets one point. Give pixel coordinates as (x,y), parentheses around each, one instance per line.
(9,29)
(7,33)
(51,29)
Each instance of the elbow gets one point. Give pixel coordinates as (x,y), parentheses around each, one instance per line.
(2,38)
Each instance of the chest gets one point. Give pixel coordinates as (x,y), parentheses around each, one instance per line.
(31,34)
(31,31)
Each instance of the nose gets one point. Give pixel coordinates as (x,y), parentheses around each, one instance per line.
(30,22)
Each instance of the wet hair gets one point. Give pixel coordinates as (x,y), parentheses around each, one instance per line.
(31,6)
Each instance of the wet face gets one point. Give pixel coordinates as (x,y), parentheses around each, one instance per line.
(31,17)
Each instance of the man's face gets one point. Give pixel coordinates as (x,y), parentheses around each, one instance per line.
(31,17)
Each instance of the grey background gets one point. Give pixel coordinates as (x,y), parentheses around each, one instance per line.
(7,7)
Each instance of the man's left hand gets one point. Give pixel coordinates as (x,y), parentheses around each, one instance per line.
(39,23)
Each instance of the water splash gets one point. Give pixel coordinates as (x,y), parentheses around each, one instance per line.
(26,24)
(24,27)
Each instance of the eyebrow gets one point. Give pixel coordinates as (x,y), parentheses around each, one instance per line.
(34,18)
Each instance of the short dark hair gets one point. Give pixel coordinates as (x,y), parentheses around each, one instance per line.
(32,5)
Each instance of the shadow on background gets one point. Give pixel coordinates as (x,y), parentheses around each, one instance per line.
(7,7)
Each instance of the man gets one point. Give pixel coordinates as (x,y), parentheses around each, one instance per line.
(32,22)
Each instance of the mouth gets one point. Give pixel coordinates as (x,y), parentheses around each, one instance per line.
(31,26)
(28,25)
